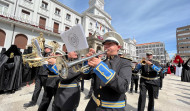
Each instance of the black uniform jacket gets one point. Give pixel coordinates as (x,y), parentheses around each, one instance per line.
(135,74)
(11,69)
(147,71)
(116,88)
(68,98)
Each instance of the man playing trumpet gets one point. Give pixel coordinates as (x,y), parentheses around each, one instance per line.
(148,81)
(111,76)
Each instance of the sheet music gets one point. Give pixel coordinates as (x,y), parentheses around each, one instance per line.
(74,38)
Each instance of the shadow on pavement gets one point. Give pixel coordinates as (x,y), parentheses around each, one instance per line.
(86,91)
(130,108)
(181,85)
(182,96)
(188,103)
(183,88)
(174,79)
(186,94)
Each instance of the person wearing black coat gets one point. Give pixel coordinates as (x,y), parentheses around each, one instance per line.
(2,51)
(40,80)
(68,92)
(11,70)
(148,82)
(111,76)
(185,76)
(134,80)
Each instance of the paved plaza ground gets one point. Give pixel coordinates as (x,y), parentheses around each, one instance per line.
(174,96)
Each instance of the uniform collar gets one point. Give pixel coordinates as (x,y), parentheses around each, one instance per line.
(112,57)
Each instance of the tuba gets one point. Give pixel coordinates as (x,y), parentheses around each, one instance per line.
(36,61)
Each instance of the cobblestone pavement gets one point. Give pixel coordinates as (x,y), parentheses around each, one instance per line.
(174,96)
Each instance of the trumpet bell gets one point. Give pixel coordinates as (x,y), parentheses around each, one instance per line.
(62,67)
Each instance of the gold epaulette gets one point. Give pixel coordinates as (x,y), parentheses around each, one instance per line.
(126,58)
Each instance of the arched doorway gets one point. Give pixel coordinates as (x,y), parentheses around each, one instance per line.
(2,37)
(21,41)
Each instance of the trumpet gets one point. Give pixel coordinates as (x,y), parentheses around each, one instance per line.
(63,66)
(143,61)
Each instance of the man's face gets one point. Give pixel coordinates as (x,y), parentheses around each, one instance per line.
(112,48)
(149,56)
(47,50)
(72,55)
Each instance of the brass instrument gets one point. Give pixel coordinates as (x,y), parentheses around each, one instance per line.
(63,66)
(36,59)
(34,54)
(143,61)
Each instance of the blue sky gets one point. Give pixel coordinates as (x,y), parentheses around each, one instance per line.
(146,20)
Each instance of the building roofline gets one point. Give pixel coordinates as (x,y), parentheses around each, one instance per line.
(104,13)
(148,43)
(61,4)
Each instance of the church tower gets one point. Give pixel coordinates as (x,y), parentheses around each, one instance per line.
(98,3)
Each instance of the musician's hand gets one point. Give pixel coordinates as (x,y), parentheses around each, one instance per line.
(94,61)
(52,61)
(148,62)
(91,52)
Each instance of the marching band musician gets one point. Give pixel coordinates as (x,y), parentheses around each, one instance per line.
(134,78)
(149,80)
(40,79)
(111,76)
(68,93)
(52,79)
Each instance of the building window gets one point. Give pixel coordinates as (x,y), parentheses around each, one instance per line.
(25,14)
(3,8)
(44,5)
(186,29)
(42,22)
(68,17)
(183,34)
(56,27)
(90,25)
(90,34)
(66,28)
(57,11)
(183,38)
(76,21)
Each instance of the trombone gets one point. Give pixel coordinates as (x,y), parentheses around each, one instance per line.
(63,66)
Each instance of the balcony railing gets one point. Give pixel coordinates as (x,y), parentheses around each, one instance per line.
(28,22)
